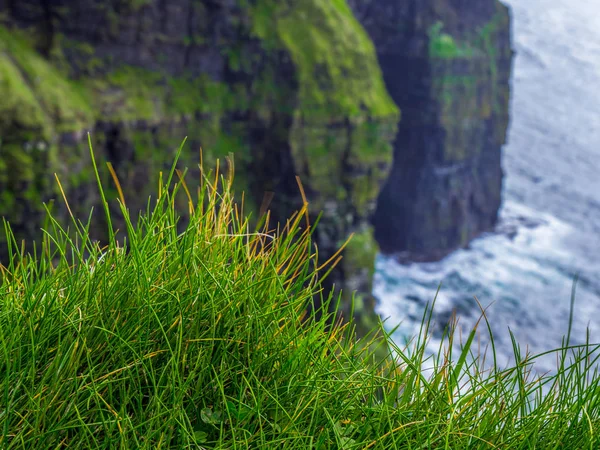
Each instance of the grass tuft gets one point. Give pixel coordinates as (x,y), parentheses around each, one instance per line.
(196,336)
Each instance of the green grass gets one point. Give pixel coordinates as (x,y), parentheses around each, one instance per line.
(195,336)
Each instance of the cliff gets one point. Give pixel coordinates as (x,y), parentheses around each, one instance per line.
(289,89)
(306,88)
(447,65)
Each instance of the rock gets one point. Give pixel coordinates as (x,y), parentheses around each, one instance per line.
(447,64)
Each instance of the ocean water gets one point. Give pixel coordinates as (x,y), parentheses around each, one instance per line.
(549,228)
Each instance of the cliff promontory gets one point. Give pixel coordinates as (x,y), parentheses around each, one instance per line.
(447,65)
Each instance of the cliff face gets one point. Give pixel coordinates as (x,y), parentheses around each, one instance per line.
(290,89)
(447,64)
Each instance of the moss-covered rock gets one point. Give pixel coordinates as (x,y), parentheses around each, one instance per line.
(337,69)
(343,117)
(39,97)
(38,104)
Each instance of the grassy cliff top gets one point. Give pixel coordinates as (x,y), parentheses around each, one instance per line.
(197,337)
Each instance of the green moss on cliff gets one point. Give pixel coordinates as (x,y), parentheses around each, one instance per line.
(41,102)
(445,46)
(43,98)
(338,73)
(488,38)
(466,101)
(38,103)
(360,252)
(344,117)
(17,165)
(463,103)
(132,93)
(19,104)
(49,100)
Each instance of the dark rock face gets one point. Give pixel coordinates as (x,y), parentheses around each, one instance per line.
(447,64)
